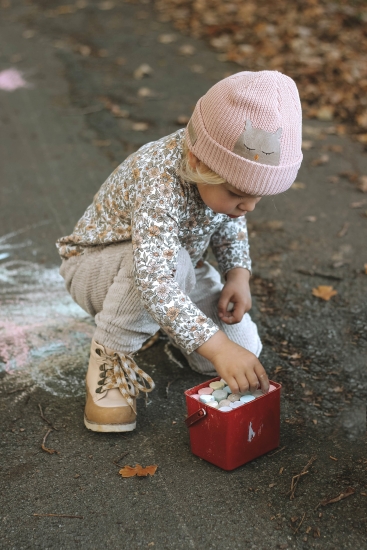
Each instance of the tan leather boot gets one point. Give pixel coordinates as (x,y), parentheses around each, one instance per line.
(113,382)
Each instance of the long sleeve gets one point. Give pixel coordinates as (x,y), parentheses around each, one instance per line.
(155,237)
(230,245)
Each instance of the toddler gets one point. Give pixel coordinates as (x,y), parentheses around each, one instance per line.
(136,259)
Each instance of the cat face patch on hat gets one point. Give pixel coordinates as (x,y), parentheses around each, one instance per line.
(248,129)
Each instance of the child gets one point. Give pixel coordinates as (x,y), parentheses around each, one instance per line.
(135,260)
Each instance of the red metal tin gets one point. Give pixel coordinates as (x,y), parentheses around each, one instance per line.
(230,439)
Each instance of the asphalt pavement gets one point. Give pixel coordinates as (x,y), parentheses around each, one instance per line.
(100,80)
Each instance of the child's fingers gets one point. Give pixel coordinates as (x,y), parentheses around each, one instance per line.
(253,381)
(233,385)
(242,382)
(262,377)
(224,305)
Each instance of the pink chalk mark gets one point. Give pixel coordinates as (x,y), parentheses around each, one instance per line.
(13,344)
(12,79)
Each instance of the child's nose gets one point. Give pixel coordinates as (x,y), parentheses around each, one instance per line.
(248,206)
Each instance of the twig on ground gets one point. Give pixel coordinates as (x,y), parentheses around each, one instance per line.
(344,229)
(43,444)
(296,478)
(45,419)
(300,523)
(312,273)
(18,389)
(58,516)
(149,343)
(347,493)
(121,457)
(278,451)
(169,384)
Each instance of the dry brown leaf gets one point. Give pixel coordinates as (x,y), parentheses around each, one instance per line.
(167,38)
(307,144)
(186,49)
(324,292)
(140,126)
(278,369)
(138,470)
(311,219)
(362,184)
(323,159)
(106,5)
(145,92)
(298,185)
(142,70)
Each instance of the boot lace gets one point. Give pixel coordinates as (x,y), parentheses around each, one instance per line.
(120,371)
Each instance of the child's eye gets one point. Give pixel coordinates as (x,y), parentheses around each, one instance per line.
(235,195)
(265,153)
(248,148)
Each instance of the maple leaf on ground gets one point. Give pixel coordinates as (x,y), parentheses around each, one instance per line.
(138,470)
(324,292)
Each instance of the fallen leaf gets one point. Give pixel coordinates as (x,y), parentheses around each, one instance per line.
(145,92)
(271,485)
(316,533)
(311,219)
(85,51)
(362,185)
(324,159)
(106,5)
(275,225)
(333,179)
(140,126)
(167,38)
(307,144)
(118,112)
(278,369)
(142,70)
(314,421)
(138,470)
(333,458)
(359,204)
(347,493)
(298,185)
(338,389)
(281,470)
(198,69)
(325,113)
(63,10)
(182,119)
(294,519)
(308,529)
(186,49)
(324,292)
(365,269)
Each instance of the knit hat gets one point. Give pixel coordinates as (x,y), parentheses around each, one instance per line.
(248,129)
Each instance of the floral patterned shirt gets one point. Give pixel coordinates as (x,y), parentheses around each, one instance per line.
(145,201)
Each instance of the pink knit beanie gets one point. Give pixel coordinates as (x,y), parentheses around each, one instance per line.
(248,129)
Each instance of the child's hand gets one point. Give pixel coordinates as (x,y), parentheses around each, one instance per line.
(237,291)
(240,368)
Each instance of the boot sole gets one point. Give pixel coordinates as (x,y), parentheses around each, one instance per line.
(95,427)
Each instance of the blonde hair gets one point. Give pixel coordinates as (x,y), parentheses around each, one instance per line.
(200,174)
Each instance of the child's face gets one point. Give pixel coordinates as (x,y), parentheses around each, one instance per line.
(226,199)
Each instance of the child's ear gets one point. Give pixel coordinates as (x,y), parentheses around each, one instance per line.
(193,160)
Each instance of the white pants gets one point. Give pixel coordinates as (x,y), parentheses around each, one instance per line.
(101,281)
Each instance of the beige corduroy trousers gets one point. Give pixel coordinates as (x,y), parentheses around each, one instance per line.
(101,281)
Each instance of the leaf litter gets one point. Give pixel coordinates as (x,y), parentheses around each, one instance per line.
(322,45)
(138,470)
